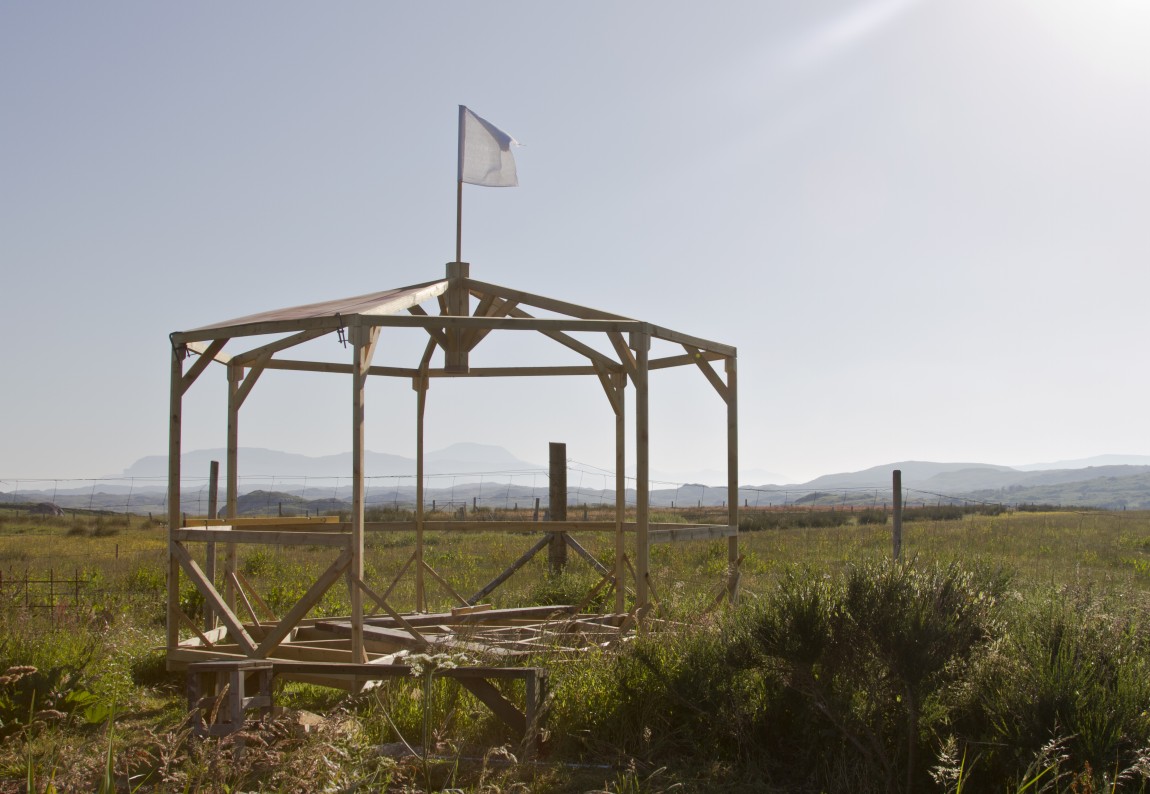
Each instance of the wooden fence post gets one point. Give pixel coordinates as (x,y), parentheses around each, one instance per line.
(897,530)
(557,497)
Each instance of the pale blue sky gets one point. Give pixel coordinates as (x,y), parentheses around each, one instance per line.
(921,222)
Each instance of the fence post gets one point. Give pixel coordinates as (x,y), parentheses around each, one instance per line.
(535,515)
(557,501)
(897,530)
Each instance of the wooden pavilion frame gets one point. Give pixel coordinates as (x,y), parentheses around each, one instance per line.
(456,330)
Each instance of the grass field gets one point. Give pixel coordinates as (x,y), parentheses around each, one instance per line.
(1009,652)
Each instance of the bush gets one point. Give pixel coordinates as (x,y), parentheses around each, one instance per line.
(871,515)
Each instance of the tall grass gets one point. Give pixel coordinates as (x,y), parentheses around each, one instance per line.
(1009,652)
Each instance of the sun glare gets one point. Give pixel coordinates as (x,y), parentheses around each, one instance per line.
(1110,36)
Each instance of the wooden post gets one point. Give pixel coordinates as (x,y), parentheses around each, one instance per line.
(420,385)
(620,493)
(732,480)
(557,501)
(458,300)
(231,507)
(210,562)
(897,530)
(362,339)
(640,343)
(174,442)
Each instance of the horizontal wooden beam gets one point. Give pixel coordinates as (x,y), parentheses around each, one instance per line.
(694,341)
(282,537)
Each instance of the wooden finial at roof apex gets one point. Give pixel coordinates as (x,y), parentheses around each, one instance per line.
(458,269)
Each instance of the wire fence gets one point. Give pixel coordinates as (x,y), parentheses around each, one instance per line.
(588,486)
(294,495)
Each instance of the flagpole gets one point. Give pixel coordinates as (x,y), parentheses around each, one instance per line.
(459,192)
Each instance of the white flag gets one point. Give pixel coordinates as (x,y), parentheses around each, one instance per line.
(485,152)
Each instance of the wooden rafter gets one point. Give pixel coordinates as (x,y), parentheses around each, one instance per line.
(501,308)
(541,302)
(705,368)
(435,333)
(256,353)
(207,356)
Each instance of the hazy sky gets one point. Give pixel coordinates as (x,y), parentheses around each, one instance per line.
(923,224)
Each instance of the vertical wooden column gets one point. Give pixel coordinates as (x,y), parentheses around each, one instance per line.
(732,479)
(640,343)
(458,305)
(896,531)
(210,563)
(420,383)
(362,339)
(231,506)
(557,503)
(175,430)
(620,493)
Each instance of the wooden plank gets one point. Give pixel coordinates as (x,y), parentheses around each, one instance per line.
(694,341)
(642,468)
(282,522)
(666,362)
(708,372)
(207,356)
(626,357)
(444,584)
(491,697)
(191,624)
(515,566)
(437,334)
(613,392)
(257,328)
(588,556)
(494,526)
(572,343)
(201,349)
(489,306)
(208,591)
(517,372)
(175,439)
(486,617)
(244,599)
(249,357)
(398,618)
(733,556)
(304,605)
(249,380)
(541,302)
(279,537)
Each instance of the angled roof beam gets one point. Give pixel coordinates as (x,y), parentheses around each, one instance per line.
(541,302)
(208,354)
(489,306)
(711,375)
(727,351)
(247,357)
(665,362)
(571,342)
(437,334)
(625,354)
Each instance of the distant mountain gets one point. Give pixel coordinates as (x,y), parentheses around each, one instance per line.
(914,472)
(1082,463)
(461,458)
